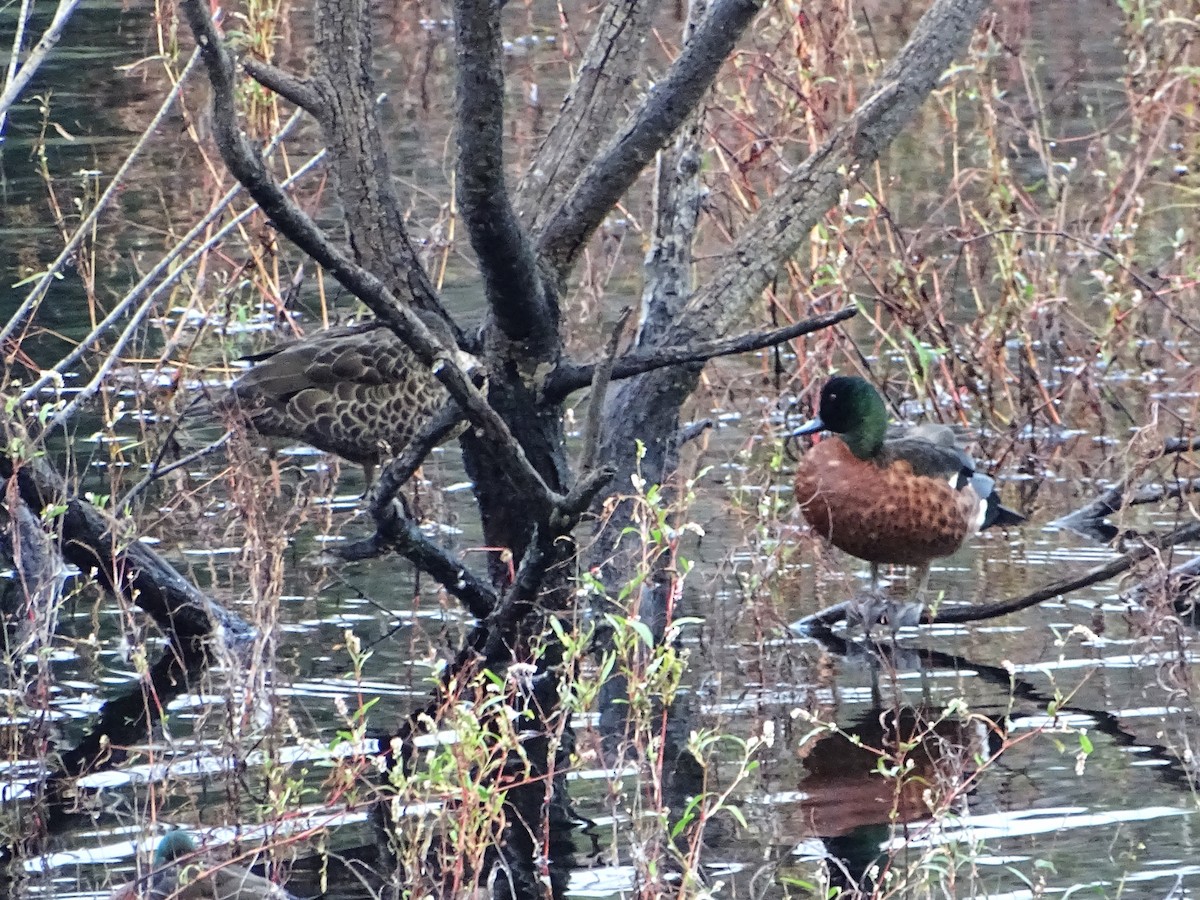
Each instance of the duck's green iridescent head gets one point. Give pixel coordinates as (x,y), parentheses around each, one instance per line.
(174,845)
(854,411)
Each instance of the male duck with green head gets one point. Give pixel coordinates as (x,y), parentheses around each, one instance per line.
(180,875)
(904,501)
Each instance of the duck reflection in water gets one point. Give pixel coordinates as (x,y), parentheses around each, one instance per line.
(180,874)
(891,767)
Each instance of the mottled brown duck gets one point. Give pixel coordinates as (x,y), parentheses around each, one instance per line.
(355,391)
(904,501)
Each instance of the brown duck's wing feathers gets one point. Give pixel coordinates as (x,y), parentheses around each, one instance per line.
(358,392)
(360,355)
(932,451)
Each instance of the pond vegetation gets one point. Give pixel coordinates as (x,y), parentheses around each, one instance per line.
(617,662)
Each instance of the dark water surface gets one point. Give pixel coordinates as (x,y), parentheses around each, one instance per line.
(1042,817)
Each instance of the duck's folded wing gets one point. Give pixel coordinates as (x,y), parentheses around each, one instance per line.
(933,460)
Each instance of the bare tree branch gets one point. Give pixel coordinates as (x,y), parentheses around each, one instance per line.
(515,290)
(570,377)
(17,77)
(661,114)
(347,112)
(978,612)
(247,166)
(778,229)
(290,87)
(1181,445)
(604,83)
(396,531)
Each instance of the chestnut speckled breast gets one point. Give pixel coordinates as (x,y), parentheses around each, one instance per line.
(906,500)
(882,514)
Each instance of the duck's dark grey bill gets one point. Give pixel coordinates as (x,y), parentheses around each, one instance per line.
(810,427)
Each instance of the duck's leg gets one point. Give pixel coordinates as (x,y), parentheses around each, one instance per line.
(905,614)
(922,582)
(874,578)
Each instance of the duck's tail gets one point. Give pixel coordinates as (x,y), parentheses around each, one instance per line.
(998,514)
(994,513)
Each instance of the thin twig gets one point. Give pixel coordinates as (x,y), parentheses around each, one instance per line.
(167,269)
(569,377)
(156,472)
(601,376)
(17,79)
(86,227)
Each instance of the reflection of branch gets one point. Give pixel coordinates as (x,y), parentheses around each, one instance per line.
(1104,722)
(124,720)
(976,612)
(569,377)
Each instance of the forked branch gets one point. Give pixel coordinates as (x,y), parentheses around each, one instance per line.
(570,377)
(663,111)
(247,166)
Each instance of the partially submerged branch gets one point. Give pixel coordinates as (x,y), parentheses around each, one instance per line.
(97,545)
(1089,519)
(978,612)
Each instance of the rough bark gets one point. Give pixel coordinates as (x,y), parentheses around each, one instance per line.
(520,304)
(651,127)
(605,82)
(347,112)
